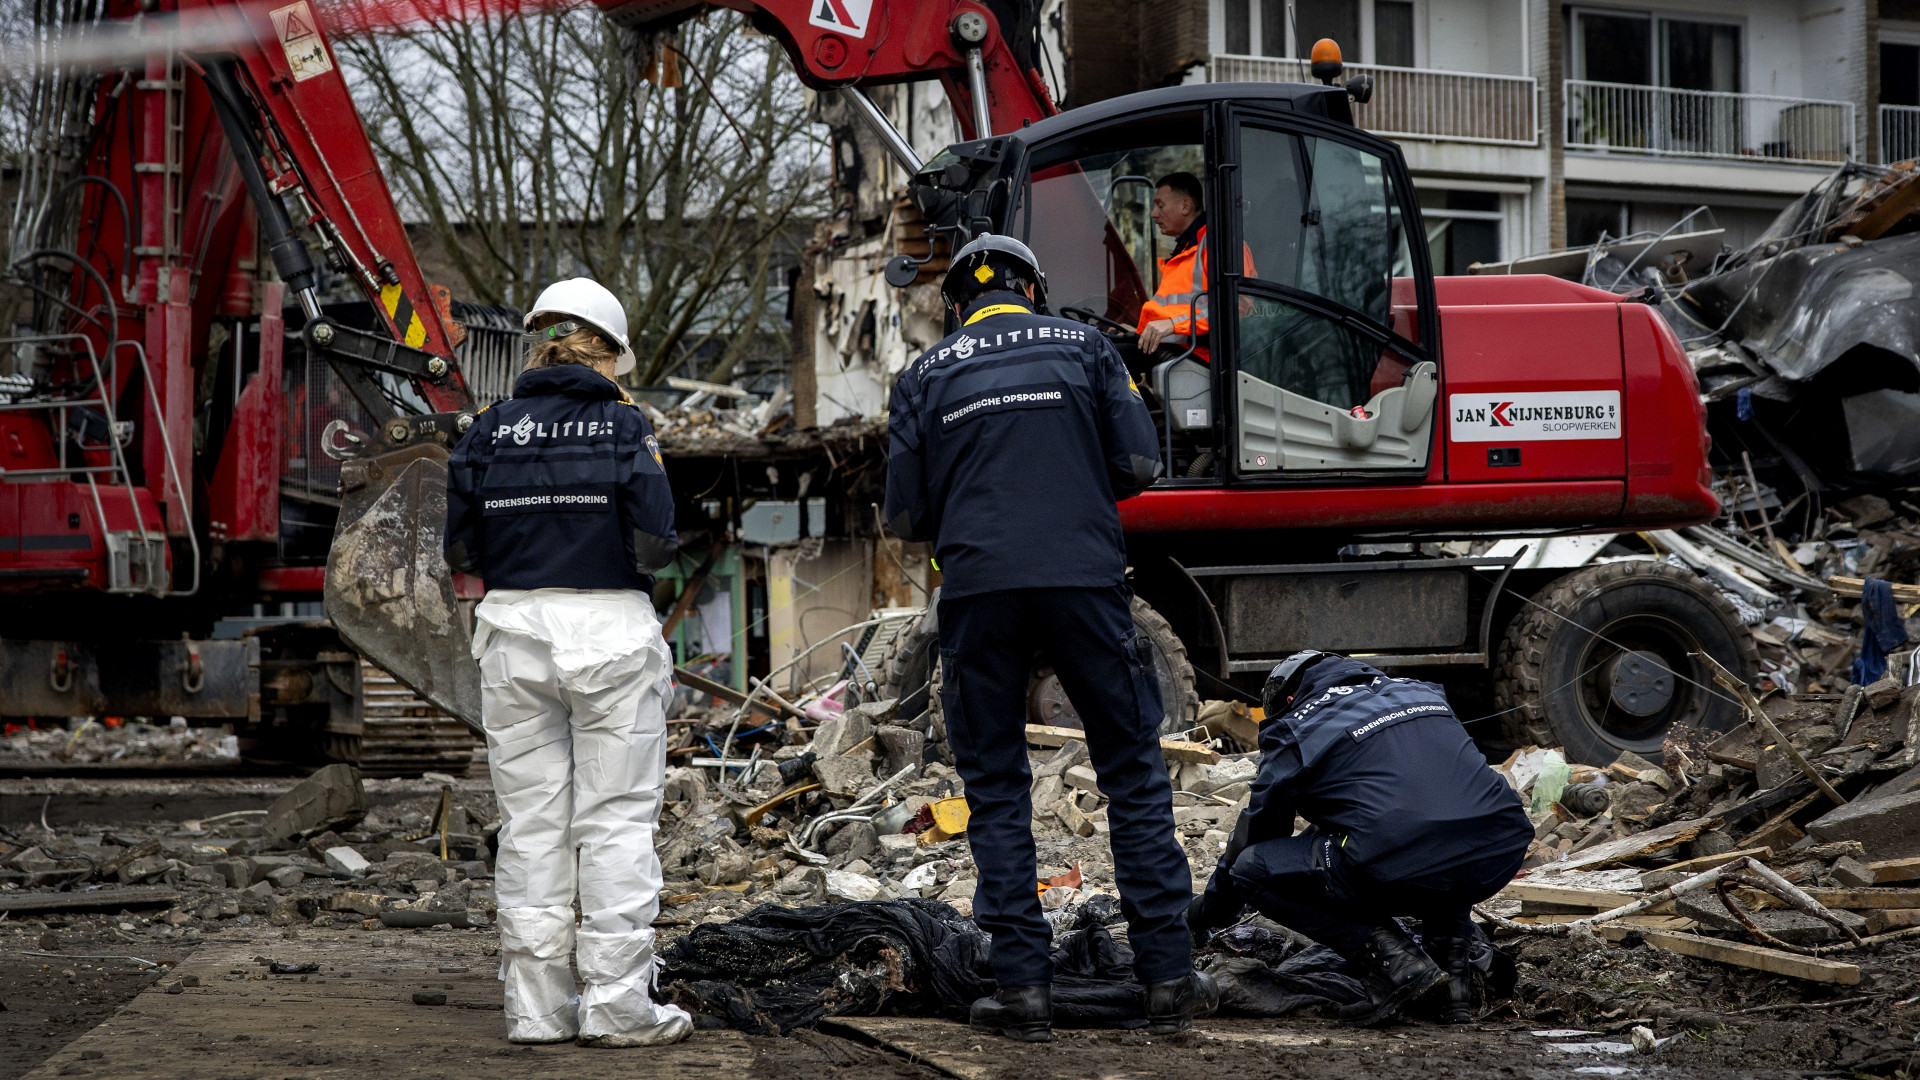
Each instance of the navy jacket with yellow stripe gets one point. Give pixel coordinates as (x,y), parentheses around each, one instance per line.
(1011,441)
(560,487)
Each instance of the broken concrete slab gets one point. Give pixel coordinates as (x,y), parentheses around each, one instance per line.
(1888,828)
(330,798)
(1792,927)
(846,886)
(849,774)
(345,860)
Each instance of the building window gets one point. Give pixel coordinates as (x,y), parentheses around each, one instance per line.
(1393,33)
(1647,50)
(1588,219)
(1239,27)
(1899,74)
(1273,27)
(1316,19)
(1463,228)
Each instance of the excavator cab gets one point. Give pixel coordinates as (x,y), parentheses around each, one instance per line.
(1316,356)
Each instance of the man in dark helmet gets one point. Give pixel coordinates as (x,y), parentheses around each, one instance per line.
(1011,441)
(1407,820)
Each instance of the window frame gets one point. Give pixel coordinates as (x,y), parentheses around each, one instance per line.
(1227,280)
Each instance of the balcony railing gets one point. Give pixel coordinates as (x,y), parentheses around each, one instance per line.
(1447,106)
(1664,122)
(1899,133)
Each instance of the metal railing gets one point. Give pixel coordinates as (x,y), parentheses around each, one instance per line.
(1418,103)
(1664,122)
(1899,133)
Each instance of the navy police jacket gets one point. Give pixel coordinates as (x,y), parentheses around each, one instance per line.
(1011,441)
(560,487)
(1383,765)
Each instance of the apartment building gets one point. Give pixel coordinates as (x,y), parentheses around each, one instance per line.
(1530,124)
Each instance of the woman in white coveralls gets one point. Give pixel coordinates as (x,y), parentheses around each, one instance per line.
(557,498)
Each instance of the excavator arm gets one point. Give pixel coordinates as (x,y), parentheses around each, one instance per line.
(983,53)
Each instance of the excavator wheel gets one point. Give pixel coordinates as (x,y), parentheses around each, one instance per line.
(1047,702)
(1600,662)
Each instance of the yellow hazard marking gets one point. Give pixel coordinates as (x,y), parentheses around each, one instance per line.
(401,313)
(983,275)
(996,309)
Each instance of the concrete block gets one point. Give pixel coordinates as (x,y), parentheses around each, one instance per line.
(329,798)
(1888,828)
(1083,778)
(856,839)
(286,877)
(901,746)
(845,886)
(144,867)
(851,774)
(345,860)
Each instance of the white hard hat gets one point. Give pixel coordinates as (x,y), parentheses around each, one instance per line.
(587,301)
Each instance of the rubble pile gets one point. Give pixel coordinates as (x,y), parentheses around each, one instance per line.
(1811,812)
(1797,578)
(319,856)
(864,810)
(92,741)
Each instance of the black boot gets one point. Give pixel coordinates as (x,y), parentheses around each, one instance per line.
(1453,1003)
(1018,1012)
(1397,973)
(1174,1004)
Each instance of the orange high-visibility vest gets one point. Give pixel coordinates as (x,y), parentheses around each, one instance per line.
(1183,283)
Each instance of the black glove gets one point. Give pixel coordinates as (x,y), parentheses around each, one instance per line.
(1211,910)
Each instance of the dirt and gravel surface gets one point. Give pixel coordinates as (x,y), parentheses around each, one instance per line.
(68,1016)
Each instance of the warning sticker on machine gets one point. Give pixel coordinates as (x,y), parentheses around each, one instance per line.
(842,16)
(1571,414)
(306,53)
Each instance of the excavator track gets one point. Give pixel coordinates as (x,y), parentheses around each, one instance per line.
(405,736)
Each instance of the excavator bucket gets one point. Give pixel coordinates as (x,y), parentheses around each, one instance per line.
(389,589)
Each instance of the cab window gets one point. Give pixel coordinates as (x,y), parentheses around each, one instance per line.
(1087,209)
(1321,217)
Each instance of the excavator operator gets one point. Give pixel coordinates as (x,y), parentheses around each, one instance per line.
(1178,306)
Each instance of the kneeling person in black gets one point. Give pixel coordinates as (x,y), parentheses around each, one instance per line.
(1407,820)
(1011,441)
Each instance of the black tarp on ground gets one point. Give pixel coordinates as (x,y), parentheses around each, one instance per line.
(776,968)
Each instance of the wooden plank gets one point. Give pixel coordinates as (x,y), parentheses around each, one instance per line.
(1655,922)
(1174,749)
(1588,899)
(97,900)
(1879,922)
(1773,961)
(1863,899)
(1708,862)
(1636,846)
(1779,831)
(1851,586)
(1887,870)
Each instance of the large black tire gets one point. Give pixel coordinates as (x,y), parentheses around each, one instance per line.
(1590,665)
(1180,699)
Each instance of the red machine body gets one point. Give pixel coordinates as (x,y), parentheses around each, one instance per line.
(1502,336)
(166,471)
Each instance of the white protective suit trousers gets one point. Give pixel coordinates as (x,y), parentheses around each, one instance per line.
(574,688)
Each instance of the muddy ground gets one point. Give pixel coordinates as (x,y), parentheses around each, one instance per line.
(1722,1022)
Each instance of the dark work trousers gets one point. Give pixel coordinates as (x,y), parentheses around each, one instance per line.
(988,642)
(1303,883)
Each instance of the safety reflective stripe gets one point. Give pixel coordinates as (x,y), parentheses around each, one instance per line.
(996,309)
(1175,298)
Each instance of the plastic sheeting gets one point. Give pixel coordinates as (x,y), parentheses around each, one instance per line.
(777,969)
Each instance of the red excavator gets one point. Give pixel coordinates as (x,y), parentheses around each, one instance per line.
(185,428)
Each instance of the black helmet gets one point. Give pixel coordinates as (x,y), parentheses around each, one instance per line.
(1285,680)
(990,262)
